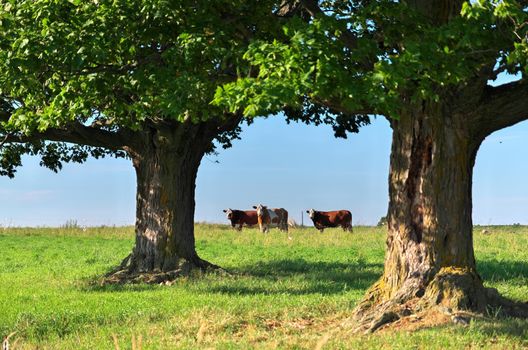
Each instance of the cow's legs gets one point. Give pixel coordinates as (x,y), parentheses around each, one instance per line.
(285,221)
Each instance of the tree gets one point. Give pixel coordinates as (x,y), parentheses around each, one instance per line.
(425,65)
(127,79)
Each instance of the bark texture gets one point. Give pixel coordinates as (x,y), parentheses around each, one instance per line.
(430,260)
(166,161)
(430,184)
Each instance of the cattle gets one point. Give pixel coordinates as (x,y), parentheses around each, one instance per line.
(324,219)
(240,218)
(268,217)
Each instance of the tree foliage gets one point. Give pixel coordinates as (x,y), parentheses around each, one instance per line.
(362,57)
(103,68)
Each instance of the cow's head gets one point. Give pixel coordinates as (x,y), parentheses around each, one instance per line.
(263,217)
(260,209)
(311,213)
(229,213)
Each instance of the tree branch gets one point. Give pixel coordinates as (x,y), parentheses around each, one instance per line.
(75,133)
(4,140)
(287,8)
(503,106)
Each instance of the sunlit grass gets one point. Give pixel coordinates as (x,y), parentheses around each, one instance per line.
(283,291)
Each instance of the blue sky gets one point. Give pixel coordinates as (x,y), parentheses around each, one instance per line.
(293,166)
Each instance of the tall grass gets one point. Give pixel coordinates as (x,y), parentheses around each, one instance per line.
(283,291)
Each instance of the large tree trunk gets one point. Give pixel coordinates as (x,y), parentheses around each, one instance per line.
(429,219)
(166,163)
(430,260)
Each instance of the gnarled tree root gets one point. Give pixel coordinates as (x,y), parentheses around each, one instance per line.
(128,272)
(453,294)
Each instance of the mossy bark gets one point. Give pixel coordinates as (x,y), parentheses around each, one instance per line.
(166,163)
(430,259)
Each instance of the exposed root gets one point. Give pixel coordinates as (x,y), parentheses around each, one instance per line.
(453,295)
(374,318)
(434,317)
(128,273)
(383,319)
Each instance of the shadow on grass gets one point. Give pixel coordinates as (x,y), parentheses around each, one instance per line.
(92,285)
(286,276)
(511,328)
(298,277)
(503,270)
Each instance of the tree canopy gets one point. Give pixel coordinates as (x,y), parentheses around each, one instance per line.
(89,72)
(366,57)
(86,74)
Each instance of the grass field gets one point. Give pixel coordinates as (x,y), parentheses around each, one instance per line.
(282,293)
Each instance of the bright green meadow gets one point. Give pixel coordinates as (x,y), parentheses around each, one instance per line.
(283,291)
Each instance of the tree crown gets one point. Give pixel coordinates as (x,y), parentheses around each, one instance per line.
(360,57)
(93,73)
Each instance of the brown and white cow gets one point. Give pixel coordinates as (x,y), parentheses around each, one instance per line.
(240,218)
(271,217)
(323,219)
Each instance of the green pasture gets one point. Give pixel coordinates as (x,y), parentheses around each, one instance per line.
(283,291)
